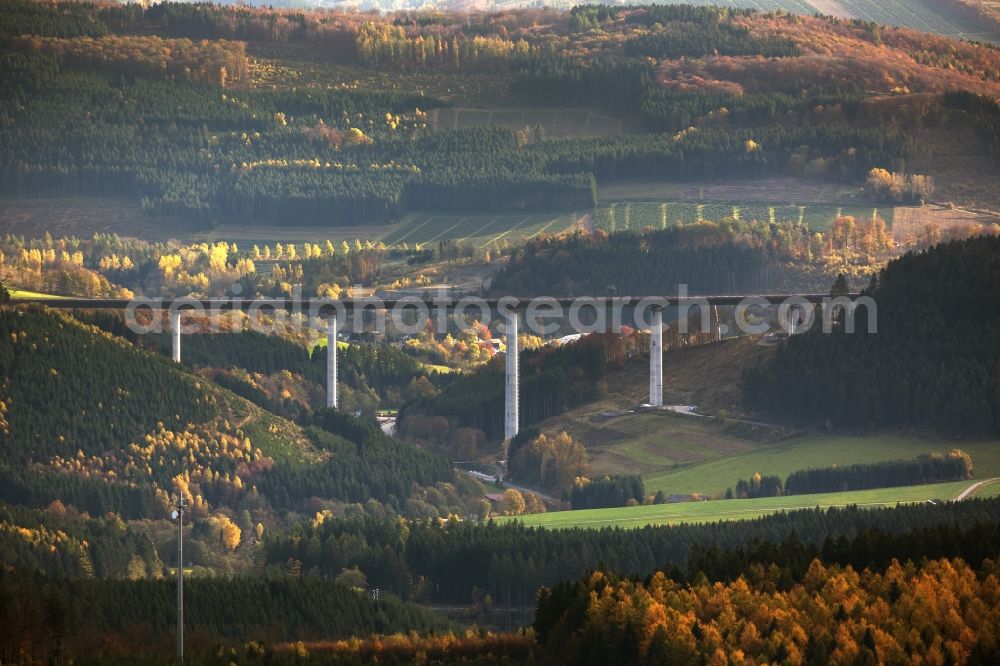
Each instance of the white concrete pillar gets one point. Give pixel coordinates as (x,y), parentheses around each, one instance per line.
(175,330)
(331,361)
(717,324)
(656,358)
(510,421)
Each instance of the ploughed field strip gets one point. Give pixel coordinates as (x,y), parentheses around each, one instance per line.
(635,216)
(925,15)
(482,230)
(922,15)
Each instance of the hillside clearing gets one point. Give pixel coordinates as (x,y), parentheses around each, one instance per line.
(910,222)
(815,450)
(23,293)
(681,454)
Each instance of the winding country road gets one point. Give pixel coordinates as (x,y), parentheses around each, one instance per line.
(486,478)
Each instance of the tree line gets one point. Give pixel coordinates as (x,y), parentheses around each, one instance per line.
(101,385)
(454,562)
(58,542)
(925,468)
(119,618)
(608,491)
(59,618)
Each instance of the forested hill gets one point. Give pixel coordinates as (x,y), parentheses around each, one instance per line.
(163,106)
(282,375)
(934,363)
(552,379)
(725,256)
(100,425)
(707,258)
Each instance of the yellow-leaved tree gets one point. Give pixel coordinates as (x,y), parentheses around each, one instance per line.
(229,533)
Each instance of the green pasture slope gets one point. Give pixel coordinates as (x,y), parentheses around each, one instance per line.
(635,216)
(23,293)
(714,475)
(988,490)
(480,230)
(737,509)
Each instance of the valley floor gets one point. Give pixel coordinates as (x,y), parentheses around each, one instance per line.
(688,454)
(740,509)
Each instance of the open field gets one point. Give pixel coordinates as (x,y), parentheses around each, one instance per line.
(484,229)
(635,216)
(440,369)
(681,454)
(685,454)
(740,509)
(925,15)
(989,490)
(23,293)
(816,450)
(964,171)
(910,222)
(82,217)
(479,230)
(652,442)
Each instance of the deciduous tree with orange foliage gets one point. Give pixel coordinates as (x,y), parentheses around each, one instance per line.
(941,611)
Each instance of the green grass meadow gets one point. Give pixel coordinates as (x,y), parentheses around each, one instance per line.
(737,509)
(713,476)
(23,293)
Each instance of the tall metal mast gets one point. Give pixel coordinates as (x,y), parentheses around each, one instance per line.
(180,576)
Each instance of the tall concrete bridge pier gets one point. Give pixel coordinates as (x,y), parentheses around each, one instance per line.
(329,311)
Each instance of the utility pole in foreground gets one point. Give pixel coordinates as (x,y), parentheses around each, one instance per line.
(179,515)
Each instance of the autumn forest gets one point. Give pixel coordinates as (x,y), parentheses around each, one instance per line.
(821,490)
